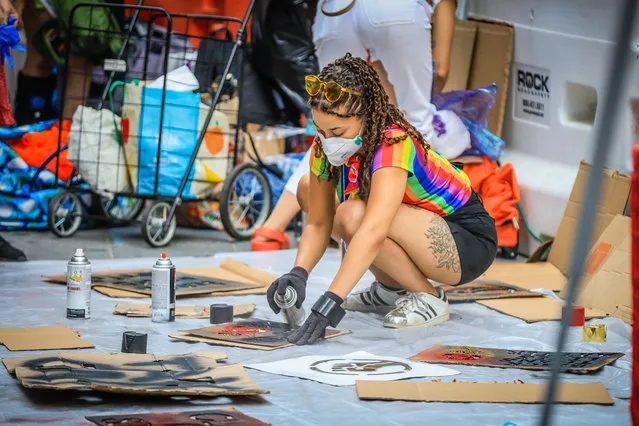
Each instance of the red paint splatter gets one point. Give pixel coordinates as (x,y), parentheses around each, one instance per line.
(461,357)
(243,330)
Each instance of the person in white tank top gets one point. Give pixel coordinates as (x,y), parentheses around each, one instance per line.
(396,37)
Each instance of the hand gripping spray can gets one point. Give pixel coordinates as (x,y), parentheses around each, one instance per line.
(163,290)
(79,286)
(286,302)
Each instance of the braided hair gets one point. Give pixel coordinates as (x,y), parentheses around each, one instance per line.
(374,108)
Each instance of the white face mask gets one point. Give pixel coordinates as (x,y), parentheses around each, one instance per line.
(338,150)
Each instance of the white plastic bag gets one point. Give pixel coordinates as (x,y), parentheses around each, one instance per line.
(179,80)
(95,151)
(449,137)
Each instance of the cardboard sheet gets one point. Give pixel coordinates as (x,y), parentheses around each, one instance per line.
(42,338)
(143,310)
(253,334)
(572,362)
(503,393)
(481,54)
(345,370)
(607,282)
(614,196)
(534,309)
(254,281)
(527,276)
(484,290)
(226,417)
(191,374)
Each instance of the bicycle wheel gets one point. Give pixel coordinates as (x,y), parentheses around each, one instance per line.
(245,202)
(122,209)
(154,228)
(65,214)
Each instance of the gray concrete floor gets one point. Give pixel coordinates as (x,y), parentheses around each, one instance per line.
(123,242)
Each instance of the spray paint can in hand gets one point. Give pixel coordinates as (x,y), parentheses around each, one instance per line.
(79,286)
(163,290)
(286,302)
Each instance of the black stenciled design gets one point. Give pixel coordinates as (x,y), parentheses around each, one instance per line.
(185,418)
(355,367)
(569,361)
(442,244)
(141,283)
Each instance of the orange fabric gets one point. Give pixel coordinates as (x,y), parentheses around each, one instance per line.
(499,189)
(34,148)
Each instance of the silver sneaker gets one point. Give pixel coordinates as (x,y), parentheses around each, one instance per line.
(418,310)
(376,298)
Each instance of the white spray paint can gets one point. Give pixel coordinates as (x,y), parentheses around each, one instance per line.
(163,290)
(79,286)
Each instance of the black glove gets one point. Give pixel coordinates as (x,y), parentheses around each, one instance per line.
(314,328)
(297,279)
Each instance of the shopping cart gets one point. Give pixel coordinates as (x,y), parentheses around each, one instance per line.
(159,139)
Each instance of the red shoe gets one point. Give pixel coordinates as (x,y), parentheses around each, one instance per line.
(271,240)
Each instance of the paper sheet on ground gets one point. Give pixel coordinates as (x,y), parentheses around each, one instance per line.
(345,370)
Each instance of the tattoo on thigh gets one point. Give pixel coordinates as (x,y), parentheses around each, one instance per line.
(443,245)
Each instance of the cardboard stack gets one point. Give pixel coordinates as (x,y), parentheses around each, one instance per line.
(606,286)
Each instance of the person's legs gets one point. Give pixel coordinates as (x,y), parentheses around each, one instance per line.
(408,258)
(283,213)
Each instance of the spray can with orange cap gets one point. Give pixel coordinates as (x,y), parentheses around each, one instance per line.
(163,290)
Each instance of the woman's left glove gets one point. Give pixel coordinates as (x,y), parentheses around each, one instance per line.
(326,311)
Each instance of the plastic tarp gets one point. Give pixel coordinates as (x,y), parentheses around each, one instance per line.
(295,401)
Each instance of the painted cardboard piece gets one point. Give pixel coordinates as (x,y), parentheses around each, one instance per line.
(572,362)
(345,370)
(252,334)
(143,310)
(189,375)
(502,393)
(482,290)
(226,417)
(231,278)
(41,338)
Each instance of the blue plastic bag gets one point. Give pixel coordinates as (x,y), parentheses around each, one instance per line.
(180,131)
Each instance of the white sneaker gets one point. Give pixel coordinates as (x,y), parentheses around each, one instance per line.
(376,298)
(418,310)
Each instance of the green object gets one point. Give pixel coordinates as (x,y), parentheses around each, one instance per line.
(96,34)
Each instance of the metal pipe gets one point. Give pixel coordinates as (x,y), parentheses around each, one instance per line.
(610,106)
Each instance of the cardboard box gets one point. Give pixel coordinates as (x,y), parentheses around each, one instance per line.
(607,284)
(268,142)
(482,54)
(606,287)
(551,274)
(614,196)
(518,393)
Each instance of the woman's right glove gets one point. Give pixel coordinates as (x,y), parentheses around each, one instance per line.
(296,279)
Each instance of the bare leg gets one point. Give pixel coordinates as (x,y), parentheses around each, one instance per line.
(78,85)
(285,210)
(407,256)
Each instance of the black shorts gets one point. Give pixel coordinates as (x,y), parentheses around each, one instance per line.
(475,234)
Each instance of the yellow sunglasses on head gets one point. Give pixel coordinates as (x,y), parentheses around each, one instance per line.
(332,91)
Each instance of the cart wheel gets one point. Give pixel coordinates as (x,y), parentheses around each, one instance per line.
(122,209)
(153,223)
(245,202)
(65,214)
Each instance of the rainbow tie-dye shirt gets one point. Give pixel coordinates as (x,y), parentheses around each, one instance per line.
(433,184)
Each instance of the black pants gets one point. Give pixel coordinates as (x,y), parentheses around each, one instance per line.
(475,234)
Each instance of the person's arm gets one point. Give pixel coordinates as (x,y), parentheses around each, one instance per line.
(387,191)
(443,31)
(319,223)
